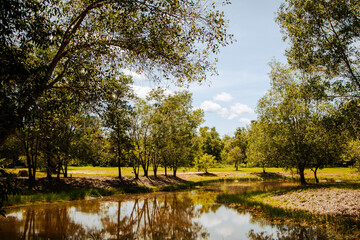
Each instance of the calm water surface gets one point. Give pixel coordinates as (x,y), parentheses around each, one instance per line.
(177,215)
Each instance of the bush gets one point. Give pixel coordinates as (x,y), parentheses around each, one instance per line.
(205,162)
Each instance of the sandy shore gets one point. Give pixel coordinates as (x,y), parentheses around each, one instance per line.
(322,201)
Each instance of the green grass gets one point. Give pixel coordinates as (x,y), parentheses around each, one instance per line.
(127,171)
(329,174)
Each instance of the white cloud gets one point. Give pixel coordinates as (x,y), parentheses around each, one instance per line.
(135,75)
(239,109)
(143,92)
(210,106)
(223,97)
(245,121)
(235,110)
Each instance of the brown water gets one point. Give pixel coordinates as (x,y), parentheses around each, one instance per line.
(176,215)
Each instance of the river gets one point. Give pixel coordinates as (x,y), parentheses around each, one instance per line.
(175,215)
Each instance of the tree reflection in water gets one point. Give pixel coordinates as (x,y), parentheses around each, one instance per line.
(177,215)
(290,233)
(160,217)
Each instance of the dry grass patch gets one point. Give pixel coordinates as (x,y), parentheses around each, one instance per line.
(332,201)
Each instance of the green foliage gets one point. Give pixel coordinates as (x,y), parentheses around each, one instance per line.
(261,152)
(296,121)
(351,154)
(322,34)
(235,149)
(204,162)
(75,45)
(8,186)
(209,142)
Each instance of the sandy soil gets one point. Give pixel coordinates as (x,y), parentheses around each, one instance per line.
(323,201)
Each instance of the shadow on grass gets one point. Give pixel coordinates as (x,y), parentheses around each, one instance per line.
(207,174)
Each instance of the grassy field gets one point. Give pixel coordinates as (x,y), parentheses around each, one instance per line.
(328,174)
(187,178)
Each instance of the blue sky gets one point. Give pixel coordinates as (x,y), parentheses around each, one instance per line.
(230,100)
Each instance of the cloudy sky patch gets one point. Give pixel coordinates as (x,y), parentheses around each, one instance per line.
(224,97)
(138,76)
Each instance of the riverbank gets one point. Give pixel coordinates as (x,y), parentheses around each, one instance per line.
(331,206)
(77,188)
(331,201)
(93,184)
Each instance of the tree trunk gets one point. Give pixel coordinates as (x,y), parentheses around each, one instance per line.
(316,178)
(34,167)
(165,171)
(237,166)
(48,169)
(119,159)
(29,167)
(264,170)
(58,169)
(174,172)
(145,172)
(136,172)
(155,171)
(65,170)
(119,167)
(302,176)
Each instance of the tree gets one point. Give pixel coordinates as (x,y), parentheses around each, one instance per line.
(210,142)
(235,149)
(294,112)
(50,44)
(204,162)
(352,153)
(323,36)
(117,117)
(261,151)
(183,122)
(140,135)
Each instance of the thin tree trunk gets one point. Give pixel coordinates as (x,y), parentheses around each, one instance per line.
(34,166)
(315,175)
(48,169)
(119,158)
(119,168)
(58,169)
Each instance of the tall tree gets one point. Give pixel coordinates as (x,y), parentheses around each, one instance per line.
(261,148)
(117,114)
(49,43)
(324,36)
(294,113)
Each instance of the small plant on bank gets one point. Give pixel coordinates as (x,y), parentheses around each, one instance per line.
(205,162)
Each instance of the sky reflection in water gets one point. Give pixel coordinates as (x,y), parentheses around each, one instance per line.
(182,215)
